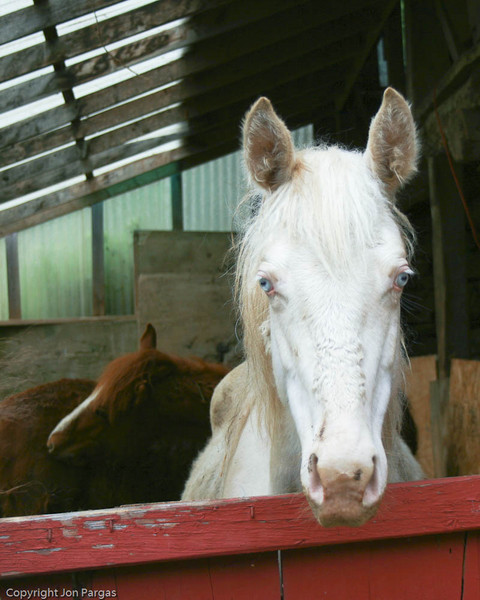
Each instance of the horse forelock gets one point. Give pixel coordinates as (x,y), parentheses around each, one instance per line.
(336,206)
(129,372)
(137,370)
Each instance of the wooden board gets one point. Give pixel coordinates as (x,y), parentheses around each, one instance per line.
(192,314)
(181,289)
(423,370)
(463,418)
(145,534)
(429,568)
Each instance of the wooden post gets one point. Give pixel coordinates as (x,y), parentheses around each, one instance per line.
(13,278)
(425,66)
(98,261)
(177,201)
(451,315)
(449,265)
(393,45)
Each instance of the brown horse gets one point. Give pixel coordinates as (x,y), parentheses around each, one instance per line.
(130,438)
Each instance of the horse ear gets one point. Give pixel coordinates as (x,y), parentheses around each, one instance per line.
(148,341)
(392,147)
(268,146)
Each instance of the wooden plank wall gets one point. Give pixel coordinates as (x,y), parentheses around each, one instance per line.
(422,371)
(463,418)
(448,440)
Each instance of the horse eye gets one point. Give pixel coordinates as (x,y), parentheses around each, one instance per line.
(401,280)
(266,285)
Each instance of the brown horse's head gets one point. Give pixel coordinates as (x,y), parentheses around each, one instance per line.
(139,396)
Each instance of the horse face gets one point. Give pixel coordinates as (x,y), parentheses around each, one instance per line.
(332,266)
(78,435)
(99,423)
(119,407)
(335,344)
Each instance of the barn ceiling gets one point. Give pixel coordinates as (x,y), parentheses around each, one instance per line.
(99,96)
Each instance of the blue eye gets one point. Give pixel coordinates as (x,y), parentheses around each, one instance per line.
(266,285)
(402,279)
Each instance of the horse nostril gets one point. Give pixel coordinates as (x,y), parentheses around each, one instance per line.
(312,463)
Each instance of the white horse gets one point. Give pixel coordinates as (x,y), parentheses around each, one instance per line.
(321,268)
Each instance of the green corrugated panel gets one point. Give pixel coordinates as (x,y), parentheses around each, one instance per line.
(212,191)
(55,261)
(3,282)
(148,207)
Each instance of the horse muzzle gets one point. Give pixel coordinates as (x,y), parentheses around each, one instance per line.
(349,497)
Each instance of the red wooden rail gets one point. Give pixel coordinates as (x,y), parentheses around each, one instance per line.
(419,524)
(151,533)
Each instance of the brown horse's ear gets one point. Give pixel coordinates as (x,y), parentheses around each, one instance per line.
(392,148)
(268,147)
(148,341)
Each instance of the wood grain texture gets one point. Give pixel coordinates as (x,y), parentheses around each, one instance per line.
(429,568)
(463,418)
(471,580)
(160,532)
(423,370)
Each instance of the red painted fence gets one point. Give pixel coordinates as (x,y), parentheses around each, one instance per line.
(424,544)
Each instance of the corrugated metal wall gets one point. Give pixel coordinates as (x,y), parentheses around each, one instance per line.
(212,191)
(55,262)
(55,258)
(3,281)
(148,207)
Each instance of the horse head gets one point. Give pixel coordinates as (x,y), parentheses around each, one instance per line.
(321,270)
(143,394)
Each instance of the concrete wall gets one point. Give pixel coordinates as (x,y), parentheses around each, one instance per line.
(38,352)
(182,289)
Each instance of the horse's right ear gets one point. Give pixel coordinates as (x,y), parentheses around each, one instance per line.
(268,147)
(148,341)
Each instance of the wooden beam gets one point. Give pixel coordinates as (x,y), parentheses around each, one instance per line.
(424,67)
(34,18)
(371,37)
(448,31)
(98,261)
(109,147)
(125,56)
(177,201)
(101,34)
(51,544)
(13,278)
(136,174)
(231,55)
(452,79)
(222,124)
(439,396)
(449,265)
(393,43)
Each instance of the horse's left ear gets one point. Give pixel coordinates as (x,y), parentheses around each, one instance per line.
(148,341)
(268,146)
(392,148)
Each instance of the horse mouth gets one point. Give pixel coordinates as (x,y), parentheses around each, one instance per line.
(342,511)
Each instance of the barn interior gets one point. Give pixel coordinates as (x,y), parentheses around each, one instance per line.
(120,171)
